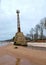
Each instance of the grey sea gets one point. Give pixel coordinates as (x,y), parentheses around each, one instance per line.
(3,43)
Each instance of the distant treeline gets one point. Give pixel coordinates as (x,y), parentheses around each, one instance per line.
(37,33)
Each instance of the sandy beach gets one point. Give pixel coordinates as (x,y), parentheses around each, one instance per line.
(27,56)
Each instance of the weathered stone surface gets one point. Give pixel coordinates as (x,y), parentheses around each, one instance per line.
(20,39)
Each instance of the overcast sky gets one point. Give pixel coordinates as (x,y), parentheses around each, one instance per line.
(31,12)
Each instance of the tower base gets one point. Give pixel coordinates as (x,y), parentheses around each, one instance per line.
(20,39)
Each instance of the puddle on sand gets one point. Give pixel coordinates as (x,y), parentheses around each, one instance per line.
(9,60)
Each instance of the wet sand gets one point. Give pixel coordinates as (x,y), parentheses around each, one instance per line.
(27,56)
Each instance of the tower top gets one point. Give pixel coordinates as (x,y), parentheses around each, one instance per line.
(17,11)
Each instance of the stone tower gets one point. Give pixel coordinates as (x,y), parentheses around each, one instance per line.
(18,21)
(19,37)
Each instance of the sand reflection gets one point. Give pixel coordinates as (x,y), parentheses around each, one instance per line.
(9,60)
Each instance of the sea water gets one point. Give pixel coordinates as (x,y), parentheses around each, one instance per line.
(3,43)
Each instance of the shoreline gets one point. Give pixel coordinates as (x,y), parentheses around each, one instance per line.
(34,56)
